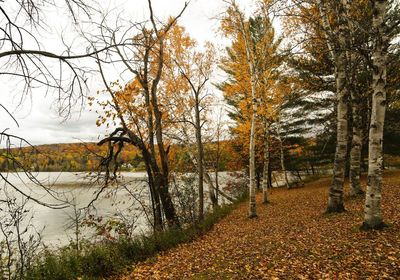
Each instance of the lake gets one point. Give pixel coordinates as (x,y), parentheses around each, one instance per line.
(74,187)
(55,225)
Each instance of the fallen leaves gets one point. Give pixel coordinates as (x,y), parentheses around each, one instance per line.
(291,239)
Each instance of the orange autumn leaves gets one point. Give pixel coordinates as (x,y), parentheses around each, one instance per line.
(291,239)
(271,87)
(182,59)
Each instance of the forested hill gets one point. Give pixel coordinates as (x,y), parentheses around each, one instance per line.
(65,157)
(87,157)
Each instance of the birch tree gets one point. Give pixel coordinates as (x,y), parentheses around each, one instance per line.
(266,183)
(336,42)
(253,52)
(356,145)
(326,21)
(236,23)
(358,68)
(373,216)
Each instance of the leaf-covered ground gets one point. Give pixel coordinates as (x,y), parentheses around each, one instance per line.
(291,239)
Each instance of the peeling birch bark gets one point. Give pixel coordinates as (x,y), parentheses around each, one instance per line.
(336,40)
(373,215)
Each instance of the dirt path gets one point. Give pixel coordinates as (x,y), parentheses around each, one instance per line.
(291,239)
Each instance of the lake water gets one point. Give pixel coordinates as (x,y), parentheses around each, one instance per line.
(55,224)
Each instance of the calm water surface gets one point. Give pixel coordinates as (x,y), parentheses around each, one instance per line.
(55,223)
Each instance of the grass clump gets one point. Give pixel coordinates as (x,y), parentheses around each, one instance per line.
(108,258)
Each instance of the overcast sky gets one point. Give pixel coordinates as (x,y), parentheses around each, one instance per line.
(38,118)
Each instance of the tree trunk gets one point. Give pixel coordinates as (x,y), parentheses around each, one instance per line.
(155,199)
(216,185)
(252,152)
(216,167)
(299,177)
(269,171)
(213,197)
(213,190)
(373,216)
(161,186)
(335,200)
(252,145)
(276,181)
(356,112)
(356,145)
(154,189)
(282,156)
(266,166)
(155,182)
(200,159)
(166,200)
(210,183)
(253,84)
(154,125)
(258,179)
(169,209)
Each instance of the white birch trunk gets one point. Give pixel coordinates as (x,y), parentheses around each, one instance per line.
(252,145)
(266,165)
(252,163)
(373,216)
(336,48)
(356,140)
(335,200)
(356,145)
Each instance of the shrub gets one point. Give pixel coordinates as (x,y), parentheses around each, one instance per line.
(107,258)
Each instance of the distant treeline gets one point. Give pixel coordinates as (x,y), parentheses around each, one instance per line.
(64,157)
(88,156)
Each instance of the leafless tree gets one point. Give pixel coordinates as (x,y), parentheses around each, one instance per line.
(19,241)
(24,56)
(29,63)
